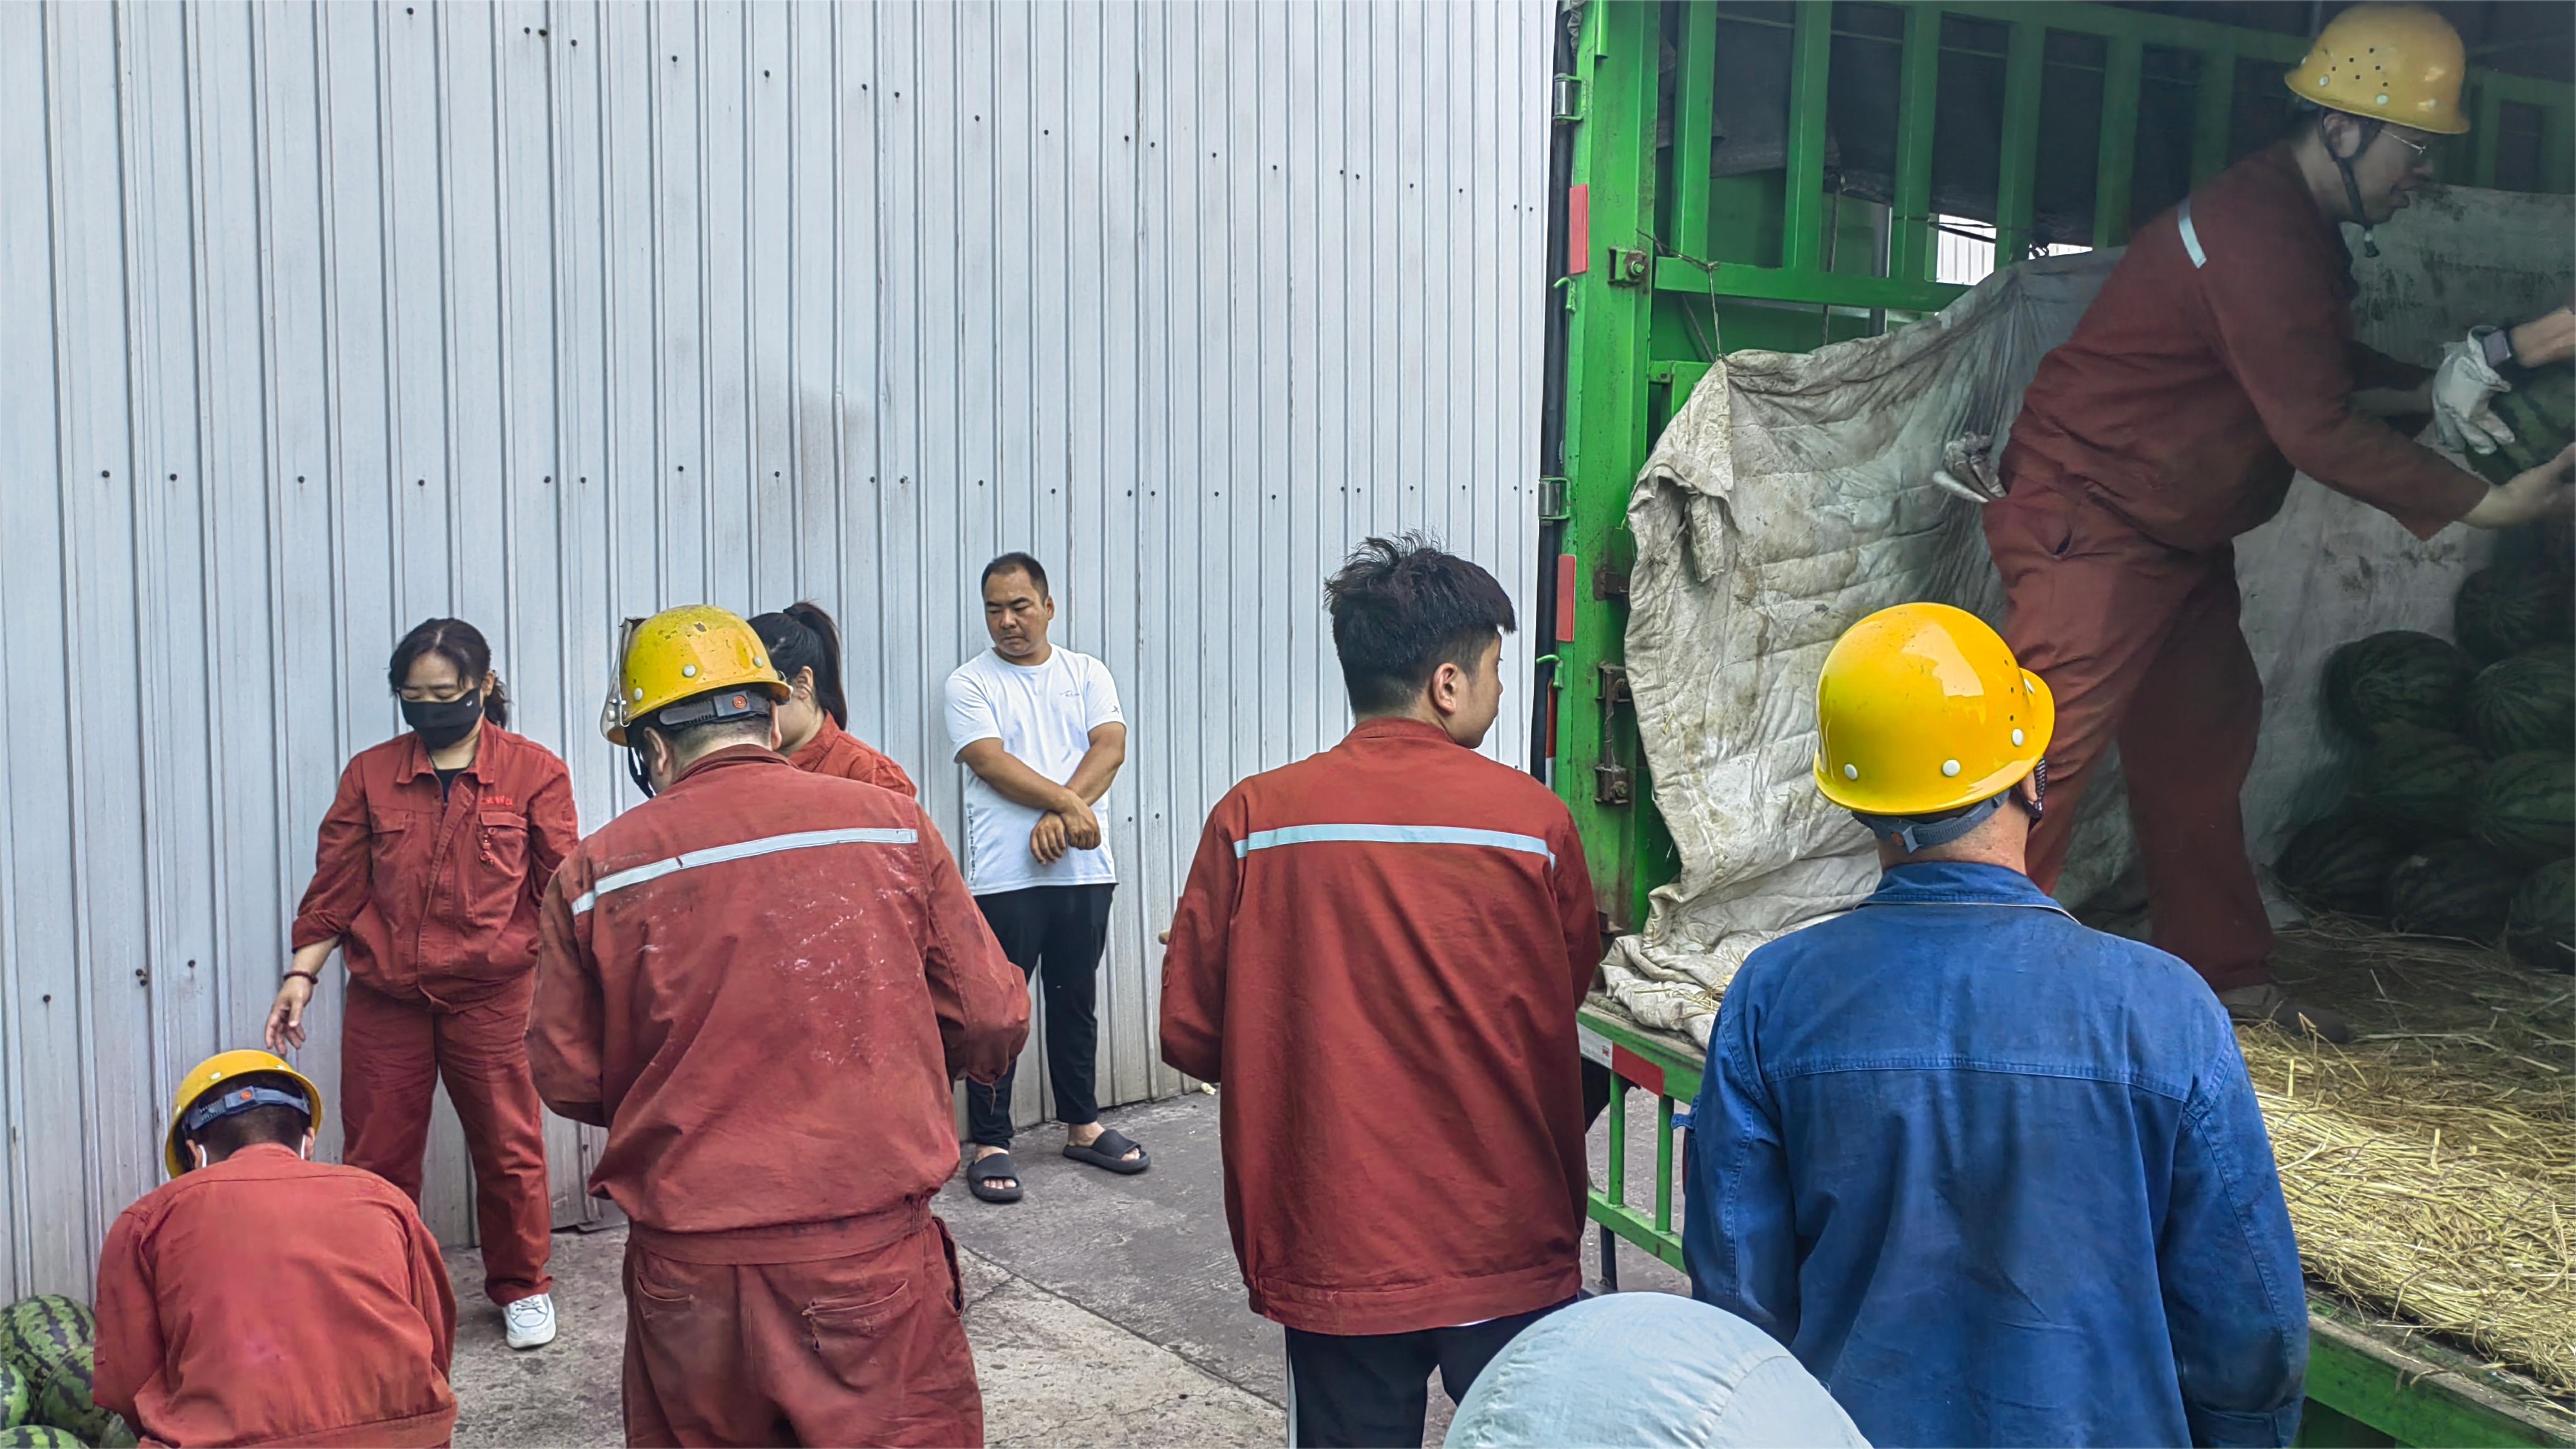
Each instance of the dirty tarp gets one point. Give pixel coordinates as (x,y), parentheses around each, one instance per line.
(1794,494)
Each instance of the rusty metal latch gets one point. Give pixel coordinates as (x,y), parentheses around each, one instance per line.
(1614,782)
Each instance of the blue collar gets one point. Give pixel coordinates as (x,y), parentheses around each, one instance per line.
(1957,883)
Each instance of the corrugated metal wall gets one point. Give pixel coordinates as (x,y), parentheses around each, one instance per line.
(319,320)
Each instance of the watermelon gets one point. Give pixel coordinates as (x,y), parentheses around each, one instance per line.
(2457,888)
(39,1436)
(63,1400)
(2537,409)
(2540,923)
(2525,807)
(2502,610)
(2397,678)
(2341,863)
(2527,702)
(15,1395)
(2418,783)
(37,1333)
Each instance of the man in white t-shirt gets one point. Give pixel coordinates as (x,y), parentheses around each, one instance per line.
(1040,735)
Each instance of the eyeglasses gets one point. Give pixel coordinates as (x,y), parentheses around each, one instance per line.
(2422,149)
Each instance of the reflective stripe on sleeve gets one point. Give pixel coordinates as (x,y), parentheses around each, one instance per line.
(740,850)
(2191,238)
(1393,835)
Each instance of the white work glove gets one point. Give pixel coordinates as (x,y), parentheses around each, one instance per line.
(2464,389)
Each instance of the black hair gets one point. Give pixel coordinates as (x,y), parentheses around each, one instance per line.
(460,644)
(802,636)
(253,1126)
(1401,608)
(705,736)
(1017,562)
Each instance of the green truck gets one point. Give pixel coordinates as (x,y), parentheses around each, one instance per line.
(1807,209)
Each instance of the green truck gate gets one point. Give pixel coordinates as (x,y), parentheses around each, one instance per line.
(1664,265)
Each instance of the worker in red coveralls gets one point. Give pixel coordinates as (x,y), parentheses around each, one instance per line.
(1379,954)
(813,724)
(762,983)
(259,1297)
(2218,357)
(433,857)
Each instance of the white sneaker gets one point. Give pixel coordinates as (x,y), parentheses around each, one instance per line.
(531,1321)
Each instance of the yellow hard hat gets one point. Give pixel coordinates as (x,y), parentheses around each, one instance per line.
(1922,710)
(2401,64)
(680,654)
(212,1072)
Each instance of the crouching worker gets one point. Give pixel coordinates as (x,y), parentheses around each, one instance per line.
(762,983)
(1993,1177)
(259,1297)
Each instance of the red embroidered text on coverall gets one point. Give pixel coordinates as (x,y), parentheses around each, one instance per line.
(836,751)
(435,904)
(269,1300)
(761,983)
(1379,953)
(2166,426)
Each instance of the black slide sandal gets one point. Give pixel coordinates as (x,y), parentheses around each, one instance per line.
(1109,1150)
(984,1171)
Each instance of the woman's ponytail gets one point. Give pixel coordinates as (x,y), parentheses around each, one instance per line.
(803,637)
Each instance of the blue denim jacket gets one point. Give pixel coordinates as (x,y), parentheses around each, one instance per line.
(1996,1178)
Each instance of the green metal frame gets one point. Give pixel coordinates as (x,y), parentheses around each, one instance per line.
(1674,266)
(1674,263)
(2367,1385)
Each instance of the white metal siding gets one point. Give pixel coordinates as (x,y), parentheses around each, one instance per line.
(316,321)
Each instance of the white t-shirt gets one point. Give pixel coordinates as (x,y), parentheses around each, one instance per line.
(1044,716)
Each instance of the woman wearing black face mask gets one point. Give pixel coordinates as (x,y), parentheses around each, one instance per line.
(434,858)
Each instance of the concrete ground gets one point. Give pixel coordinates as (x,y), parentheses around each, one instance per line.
(1095,1289)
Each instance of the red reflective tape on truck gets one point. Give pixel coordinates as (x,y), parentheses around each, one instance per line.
(1636,1069)
(1578,231)
(1564,599)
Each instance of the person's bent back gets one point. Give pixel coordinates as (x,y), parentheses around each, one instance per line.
(1994,1177)
(262,1298)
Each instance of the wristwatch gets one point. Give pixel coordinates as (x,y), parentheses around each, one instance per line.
(2497,342)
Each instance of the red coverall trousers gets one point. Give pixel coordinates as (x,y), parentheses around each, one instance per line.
(2140,643)
(867,1349)
(393,1054)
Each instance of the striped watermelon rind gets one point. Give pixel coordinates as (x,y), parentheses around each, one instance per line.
(2457,888)
(64,1399)
(2527,702)
(2418,783)
(2540,922)
(2502,610)
(39,1436)
(37,1333)
(2525,807)
(2341,863)
(2537,409)
(2400,678)
(17,1395)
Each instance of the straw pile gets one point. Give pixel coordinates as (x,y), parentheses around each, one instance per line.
(2430,1163)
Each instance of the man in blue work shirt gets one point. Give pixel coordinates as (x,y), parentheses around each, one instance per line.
(1993,1177)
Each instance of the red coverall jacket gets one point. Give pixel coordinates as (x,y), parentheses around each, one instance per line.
(836,751)
(437,899)
(1379,953)
(761,983)
(2192,388)
(269,1300)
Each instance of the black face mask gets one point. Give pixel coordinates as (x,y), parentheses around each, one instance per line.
(441,725)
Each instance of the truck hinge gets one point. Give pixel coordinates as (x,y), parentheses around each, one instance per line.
(1610,584)
(1551,500)
(1613,781)
(1565,105)
(1629,267)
